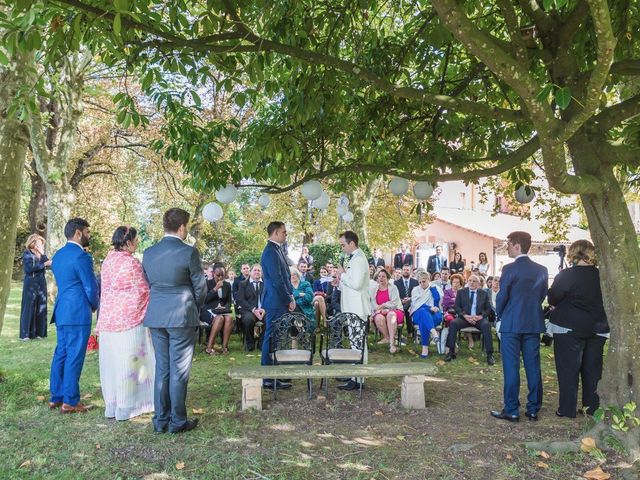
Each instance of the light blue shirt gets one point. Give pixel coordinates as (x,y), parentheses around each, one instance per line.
(474,295)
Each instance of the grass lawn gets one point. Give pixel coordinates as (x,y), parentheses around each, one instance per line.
(293,438)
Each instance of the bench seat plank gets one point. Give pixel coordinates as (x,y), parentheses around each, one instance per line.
(332,371)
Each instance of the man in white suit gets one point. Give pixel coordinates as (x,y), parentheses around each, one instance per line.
(354,287)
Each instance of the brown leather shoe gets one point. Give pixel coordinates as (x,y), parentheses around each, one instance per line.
(54,405)
(79,408)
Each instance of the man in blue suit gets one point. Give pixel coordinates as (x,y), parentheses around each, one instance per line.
(523,287)
(77,298)
(277,295)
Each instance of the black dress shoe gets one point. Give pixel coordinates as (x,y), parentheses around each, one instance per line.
(188,425)
(350,385)
(280,385)
(343,379)
(450,356)
(490,359)
(531,416)
(160,429)
(558,414)
(503,416)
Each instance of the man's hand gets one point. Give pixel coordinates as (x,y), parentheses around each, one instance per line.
(292,306)
(340,271)
(406,300)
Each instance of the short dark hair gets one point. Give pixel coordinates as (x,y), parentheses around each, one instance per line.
(350,236)
(174,218)
(520,238)
(303,261)
(444,268)
(122,235)
(273,226)
(73,225)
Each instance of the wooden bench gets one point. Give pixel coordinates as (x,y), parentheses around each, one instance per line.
(412,389)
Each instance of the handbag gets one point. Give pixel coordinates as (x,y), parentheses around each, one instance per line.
(92,344)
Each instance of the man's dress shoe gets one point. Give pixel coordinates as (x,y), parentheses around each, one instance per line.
(79,408)
(162,429)
(280,385)
(188,425)
(350,385)
(450,356)
(503,416)
(490,359)
(532,416)
(54,405)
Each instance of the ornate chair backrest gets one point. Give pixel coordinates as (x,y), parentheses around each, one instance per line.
(347,330)
(291,329)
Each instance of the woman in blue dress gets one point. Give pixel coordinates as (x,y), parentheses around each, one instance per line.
(33,314)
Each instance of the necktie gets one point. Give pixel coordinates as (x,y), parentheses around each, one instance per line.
(406,286)
(255,286)
(473,297)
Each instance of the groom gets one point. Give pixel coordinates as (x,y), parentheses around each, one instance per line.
(178,290)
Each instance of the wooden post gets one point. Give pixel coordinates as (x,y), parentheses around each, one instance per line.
(251,393)
(412,393)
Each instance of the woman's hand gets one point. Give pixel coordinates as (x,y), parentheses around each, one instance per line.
(219,284)
(301,294)
(435,309)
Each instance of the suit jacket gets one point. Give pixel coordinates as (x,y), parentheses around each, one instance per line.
(413,283)
(247,298)
(236,285)
(277,292)
(178,286)
(523,287)
(377,262)
(463,303)
(308,277)
(78,292)
(397,260)
(354,286)
(432,267)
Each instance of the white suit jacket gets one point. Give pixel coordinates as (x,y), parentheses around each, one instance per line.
(354,286)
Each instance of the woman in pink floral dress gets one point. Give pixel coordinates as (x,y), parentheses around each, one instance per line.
(127,361)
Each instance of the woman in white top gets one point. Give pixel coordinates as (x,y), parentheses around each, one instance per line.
(483,263)
(387,309)
(426,310)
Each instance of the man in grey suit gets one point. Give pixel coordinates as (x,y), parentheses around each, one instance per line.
(178,290)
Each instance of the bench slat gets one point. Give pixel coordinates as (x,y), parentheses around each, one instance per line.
(332,371)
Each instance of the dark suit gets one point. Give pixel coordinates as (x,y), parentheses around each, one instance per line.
(77,297)
(399,262)
(248,299)
(523,287)
(277,293)
(462,307)
(178,289)
(404,292)
(432,264)
(378,262)
(236,285)
(307,277)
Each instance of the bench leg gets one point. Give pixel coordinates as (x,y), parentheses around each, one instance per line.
(412,393)
(251,393)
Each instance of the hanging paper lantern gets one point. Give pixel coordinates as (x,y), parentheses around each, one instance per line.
(311,190)
(343,200)
(525,194)
(423,190)
(399,186)
(227,194)
(264,200)
(341,210)
(322,202)
(348,217)
(212,212)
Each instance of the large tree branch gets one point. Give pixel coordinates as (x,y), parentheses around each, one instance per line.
(626,67)
(571,24)
(532,9)
(555,169)
(615,114)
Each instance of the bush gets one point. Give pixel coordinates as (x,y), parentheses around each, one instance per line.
(250,257)
(330,252)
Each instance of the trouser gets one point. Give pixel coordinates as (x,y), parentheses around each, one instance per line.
(248,321)
(460,323)
(67,363)
(426,320)
(510,347)
(174,353)
(578,357)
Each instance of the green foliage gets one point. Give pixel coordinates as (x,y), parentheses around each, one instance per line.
(323,253)
(248,256)
(621,419)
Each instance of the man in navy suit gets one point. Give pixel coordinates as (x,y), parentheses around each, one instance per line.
(405,286)
(77,298)
(523,287)
(436,262)
(277,295)
(403,257)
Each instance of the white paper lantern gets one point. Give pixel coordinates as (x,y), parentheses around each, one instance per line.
(343,200)
(348,217)
(311,190)
(399,186)
(212,212)
(423,190)
(264,200)
(523,196)
(322,202)
(341,210)
(227,194)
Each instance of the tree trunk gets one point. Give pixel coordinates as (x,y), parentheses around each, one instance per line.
(37,203)
(361,202)
(14,141)
(60,200)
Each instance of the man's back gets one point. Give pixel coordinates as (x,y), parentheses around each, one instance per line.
(178,286)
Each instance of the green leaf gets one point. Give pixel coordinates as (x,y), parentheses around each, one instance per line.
(563,97)
(3,58)
(241,99)
(121,5)
(543,95)
(560,4)
(598,415)
(548,4)
(117,24)
(196,98)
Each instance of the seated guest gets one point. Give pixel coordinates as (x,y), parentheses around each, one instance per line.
(426,301)
(387,310)
(472,309)
(217,310)
(306,257)
(244,275)
(435,277)
(488,283)
(231,277)
(33,314)
(405,286)
(445,283)
(458,264)
(397,274)
(249,301)
(333,305)
(305,275)
(127,361)
(580,329)
(303,295)
(373,284)
(320,292)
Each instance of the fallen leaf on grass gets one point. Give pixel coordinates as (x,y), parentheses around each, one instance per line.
(544,454)
(87,396)
(198,411)
(98,447)
(509,456)
(587,444)
(180,466)
(232,359)
(542,465)
(378,412)
(25,464)
(400,437)
(597,474)
(440,363)
(40,398)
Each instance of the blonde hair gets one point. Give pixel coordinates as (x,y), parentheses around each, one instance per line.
(423,276)
(582,250)
(32,239)
(295,271)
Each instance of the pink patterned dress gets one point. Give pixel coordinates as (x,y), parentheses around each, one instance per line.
(127,360)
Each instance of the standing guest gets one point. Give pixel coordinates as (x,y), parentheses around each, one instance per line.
(251,311)
(277,297)
(217,310)
(458,264)
(493,294)
(437,261)
(405,286)
(306,257)
(388,310)
(320,293)
(178,290)
(483,263)
(354,288)
(33,313)
(244,275)
(127,362)
(580,329)
(377,260)
(403,257)
(303,295)
(305,275)
(426,309)
(77,297)
(523,287)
